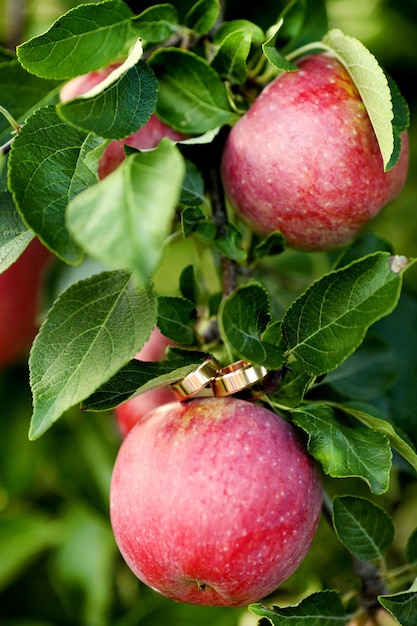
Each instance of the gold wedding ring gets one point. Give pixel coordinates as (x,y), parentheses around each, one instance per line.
(197,381)
(237,377)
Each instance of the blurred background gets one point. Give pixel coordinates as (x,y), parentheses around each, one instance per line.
(59,565)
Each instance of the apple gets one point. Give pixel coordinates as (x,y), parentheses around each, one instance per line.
(214,501)
(304,159)
(131,411)
(147,137)
(20,291)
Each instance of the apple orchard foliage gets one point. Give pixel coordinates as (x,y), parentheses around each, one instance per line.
(328,347)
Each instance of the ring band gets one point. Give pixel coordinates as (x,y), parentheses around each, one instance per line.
(197,380)
(236,377)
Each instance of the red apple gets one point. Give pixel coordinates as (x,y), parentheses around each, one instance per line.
(20,287)
(214,501)
(146,137)
(304,159)
(131,411)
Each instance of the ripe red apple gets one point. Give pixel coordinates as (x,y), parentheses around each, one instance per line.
(304,159)
(146,137)
(214,501)
(20,287)
(131,411)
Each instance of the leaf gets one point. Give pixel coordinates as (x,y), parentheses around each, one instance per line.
(125,219)
(274,56)
(243,317)
(22,93)
(91,331)
(120,110)
(141,376)
(412,547)
(293,386)
(323,608)
(229,27)
(49,163)
(230,57)
(229,243)
(272,245)
(368,373)
(400,122)
(192,97)
(176,319)
(192,191)
(156,23)
(363,245)
(363,527)
(402,606)
(202,16)
(371,83)
(189,286)
(344,451)
(304,22)
(86,38)
(14,236)
(329,320)
(357,411)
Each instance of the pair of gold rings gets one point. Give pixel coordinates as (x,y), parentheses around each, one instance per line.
(210,378)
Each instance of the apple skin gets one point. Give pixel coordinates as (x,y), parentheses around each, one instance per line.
(131,411)
(147,137)
(304,159)
(20,287)
(214,501)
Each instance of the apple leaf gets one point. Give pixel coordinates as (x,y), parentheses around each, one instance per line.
(124,220)
(176,319)
(329,320)
(22,93)
(229,243)
(156,23)
(227,28)
(192,191)
(231,55)
(400,122)
(202,16)
(363,527)
(272,53)
(120,110)
(293,387)
(402,606)
(192,97)
(372,84)
(344,451)
(243,317)
(86,38)
(363,413)
(323,608)
(412,547)
(92,330)
(188,284)
(49,163)
(14,236)
(140,376)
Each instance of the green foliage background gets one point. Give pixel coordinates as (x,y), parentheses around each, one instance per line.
(59,565)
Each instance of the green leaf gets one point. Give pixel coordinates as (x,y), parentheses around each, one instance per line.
(189,286)
(195,221)
(22,93)
(176,319)
(304,22)
(274,56)
(14,236)
(192,97)
(368,373)
(87,38)
(91,331)
(118,111)
(329,320)
(243,318)
(402,606)
(229,243)
(363,527)
(357,411)
(23,537)
(229,27)
(293,386)
(51,162)
(365,244)
(140,376)
(400,122)
(372,84)
(192,191)
(412,547)
(202,16)
(323,608)
(272,245)
(344,451)
(156,23)
(125,219)
(230,57)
